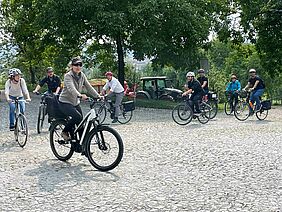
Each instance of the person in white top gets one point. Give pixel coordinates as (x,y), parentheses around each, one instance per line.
(15,87)
(115,89)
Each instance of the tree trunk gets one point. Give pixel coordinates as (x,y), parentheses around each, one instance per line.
(121,74)
(32,74)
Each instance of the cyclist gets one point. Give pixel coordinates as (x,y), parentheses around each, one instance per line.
(203,81)
(69,99)
(15,87)
(53,82)
(115,89)
(194,87)
(233,87)
(256,86)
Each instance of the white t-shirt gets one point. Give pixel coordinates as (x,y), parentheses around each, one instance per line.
(16,89)
(114,86)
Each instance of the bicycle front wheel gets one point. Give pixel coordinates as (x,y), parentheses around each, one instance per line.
(205,114)
(101,112)
(21,130)
(228,108)
(242,111)
(104,148)
(262,114)
(40,119)
(61,149)
(182,114)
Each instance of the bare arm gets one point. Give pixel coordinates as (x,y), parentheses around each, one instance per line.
(37,89)
(204,84)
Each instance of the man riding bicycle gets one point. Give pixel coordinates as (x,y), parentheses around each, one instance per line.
(194,87)
(53,82)
(15,87)
(203,81)
(233,88)
(115,90)
(256,86)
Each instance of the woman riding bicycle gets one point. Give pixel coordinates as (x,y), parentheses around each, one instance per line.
(256,86)
(15,87)
(233,88)
(194,87)
(69,99)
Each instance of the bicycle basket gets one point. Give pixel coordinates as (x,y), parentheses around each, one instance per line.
(266,104)
(128,106)
(243,94)
(52,108)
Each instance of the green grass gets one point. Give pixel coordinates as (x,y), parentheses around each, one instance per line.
(158,104)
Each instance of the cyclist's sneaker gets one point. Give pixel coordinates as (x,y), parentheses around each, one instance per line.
(115,120)
(252,113)
(197,114)
(65,136)
(112,116)
(12,128)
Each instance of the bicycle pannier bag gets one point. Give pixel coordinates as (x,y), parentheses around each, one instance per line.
(266,105)
(53,110)
(128,106)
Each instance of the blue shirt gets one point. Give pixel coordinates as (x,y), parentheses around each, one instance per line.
(233,86)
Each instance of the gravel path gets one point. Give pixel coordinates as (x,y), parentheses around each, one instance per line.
(225,165)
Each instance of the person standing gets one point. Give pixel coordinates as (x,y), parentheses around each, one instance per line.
(15,87)
(115,90)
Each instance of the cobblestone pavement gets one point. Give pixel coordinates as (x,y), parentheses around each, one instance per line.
(225,165)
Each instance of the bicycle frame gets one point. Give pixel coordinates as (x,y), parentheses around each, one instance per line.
(88,120)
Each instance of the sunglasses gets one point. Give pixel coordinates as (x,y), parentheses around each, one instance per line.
(252,72)
(77,64)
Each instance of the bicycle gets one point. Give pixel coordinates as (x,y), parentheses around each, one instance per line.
(244,109)
(183,114)
(106,105)
(229,107)
(96,142)
(21,127)
(42,112)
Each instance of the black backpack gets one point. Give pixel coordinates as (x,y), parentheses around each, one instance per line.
(53,110)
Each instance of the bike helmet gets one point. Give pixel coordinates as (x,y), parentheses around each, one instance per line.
(201,71)
(14,71)
(252,70)
(109,73)
(190,74)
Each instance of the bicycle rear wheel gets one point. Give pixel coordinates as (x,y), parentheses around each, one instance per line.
(205,114)
(124,117)
(61,149)
(40,119)
(21,130)
(182,114)
(214,108)
(262,114)
(242,111)
(104,148)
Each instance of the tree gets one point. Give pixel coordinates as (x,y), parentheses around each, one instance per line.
(170,31)
(263,23)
